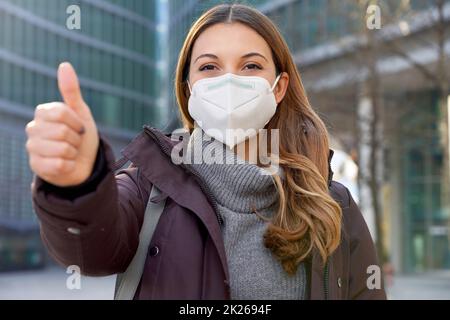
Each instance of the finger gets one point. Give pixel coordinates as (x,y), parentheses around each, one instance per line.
(51,149)
(53,131)
(59,113)
(51,167)
(69,86)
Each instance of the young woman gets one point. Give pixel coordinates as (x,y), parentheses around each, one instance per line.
(227,230)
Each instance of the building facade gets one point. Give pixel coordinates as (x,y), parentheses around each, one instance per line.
(411,161)
(117,57)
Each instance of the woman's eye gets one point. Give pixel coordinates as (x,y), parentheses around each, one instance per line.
(207,67)
(253,66)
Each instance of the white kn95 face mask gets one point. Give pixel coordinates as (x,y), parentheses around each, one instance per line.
(232,108)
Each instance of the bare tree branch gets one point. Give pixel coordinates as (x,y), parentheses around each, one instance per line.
(393,47)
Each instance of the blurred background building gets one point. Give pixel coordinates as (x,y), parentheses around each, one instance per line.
(117,54)
(382,94)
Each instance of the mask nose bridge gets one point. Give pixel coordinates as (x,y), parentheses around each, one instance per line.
(231,80)
(227,83)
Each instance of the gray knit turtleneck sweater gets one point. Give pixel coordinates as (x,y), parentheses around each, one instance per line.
(240,188)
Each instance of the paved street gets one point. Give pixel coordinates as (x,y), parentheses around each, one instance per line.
(435,286)
(50,283)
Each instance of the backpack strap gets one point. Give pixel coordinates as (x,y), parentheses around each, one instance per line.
(127,282)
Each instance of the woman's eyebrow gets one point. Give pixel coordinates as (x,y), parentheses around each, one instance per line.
(206,55)
(251,54)
(247,55)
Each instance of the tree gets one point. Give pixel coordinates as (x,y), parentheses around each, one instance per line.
(400,17)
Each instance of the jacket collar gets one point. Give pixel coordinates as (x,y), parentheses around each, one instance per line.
(150,151)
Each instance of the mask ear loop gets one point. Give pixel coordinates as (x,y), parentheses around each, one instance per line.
(189,85)
(275,83)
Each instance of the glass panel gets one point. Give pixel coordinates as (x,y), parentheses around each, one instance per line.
(29,89)
(6,76)
(111,110)
(427,223)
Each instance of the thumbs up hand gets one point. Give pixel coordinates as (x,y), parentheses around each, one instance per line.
(62,139)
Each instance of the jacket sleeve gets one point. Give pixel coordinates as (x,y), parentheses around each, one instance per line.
(362,256)
(94,226)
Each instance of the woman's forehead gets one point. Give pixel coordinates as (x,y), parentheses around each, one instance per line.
(230,40)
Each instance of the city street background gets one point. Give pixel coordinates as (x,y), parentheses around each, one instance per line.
(376,71)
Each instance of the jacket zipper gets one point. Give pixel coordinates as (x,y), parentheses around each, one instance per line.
(199,180)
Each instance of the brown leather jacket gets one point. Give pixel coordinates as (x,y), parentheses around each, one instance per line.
(96,226)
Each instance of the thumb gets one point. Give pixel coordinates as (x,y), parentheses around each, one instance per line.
(69,87)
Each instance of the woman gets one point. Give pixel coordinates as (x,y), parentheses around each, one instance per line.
(227,230)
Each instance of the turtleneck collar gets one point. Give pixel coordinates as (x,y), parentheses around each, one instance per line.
(236,184)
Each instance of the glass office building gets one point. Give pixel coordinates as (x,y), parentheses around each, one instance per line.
(425,219)
(116,55)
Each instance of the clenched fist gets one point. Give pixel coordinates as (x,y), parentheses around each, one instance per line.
(62,138)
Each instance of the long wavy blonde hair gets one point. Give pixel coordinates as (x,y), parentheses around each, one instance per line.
(308,218)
